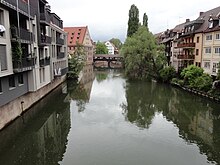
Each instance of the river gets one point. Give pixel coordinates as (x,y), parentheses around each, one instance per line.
(108,120)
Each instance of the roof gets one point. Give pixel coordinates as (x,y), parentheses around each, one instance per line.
(75,34)
(205,16)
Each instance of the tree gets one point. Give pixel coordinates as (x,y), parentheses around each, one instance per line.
(116,42)
(167,73)
(76,61)
(190,73)
(145,20)
(203,82)
(142,56)
(133,22)
(101,48)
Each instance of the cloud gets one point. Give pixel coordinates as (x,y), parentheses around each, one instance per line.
(108,19)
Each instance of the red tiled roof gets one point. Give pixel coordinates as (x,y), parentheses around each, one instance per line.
(75,34)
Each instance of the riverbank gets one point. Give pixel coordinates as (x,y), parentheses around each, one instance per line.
(196,92)
(17,107)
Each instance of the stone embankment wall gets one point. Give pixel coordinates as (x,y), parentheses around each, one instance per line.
(15,108)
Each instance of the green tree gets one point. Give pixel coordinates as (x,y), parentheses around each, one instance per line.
(167,73)
(142,56)
(190,73)
(101,48)
(76,62)
(203,82)
(133,22)
(145,20)
(117,42)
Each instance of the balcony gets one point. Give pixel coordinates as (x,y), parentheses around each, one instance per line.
(44,61)
(60,72)
(24,34)
(186,45)
(185,57)
(22,5)
(45,17)
(60,41)
(60,55)
(45,40)
(26,64)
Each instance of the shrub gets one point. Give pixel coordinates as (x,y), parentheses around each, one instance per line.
(167,73)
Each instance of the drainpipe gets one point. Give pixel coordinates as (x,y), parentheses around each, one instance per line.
(18,19)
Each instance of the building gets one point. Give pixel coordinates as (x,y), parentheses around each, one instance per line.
(111,47)
(194,42)
(211,41)
(80,36)
(33,54)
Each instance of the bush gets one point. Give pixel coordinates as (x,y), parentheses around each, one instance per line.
(167,73)
(203,83)
(190,73)
(174,81)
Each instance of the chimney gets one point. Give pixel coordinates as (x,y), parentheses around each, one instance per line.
(200,13)
(187,20)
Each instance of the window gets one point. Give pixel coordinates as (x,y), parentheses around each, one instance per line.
(211,24)
(217,36)
(197,51)
(11,81)
(215,67)
(217,50)
(207,65)
(197,40)
(20,79)
(3,58)
(209,37)
(0,86)
(208,50)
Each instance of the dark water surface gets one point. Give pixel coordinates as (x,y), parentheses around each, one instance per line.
(107,120)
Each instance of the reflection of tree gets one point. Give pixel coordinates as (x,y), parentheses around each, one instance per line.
(100,76)
(139,108)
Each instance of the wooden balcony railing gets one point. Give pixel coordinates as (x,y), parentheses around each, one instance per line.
(186,45)
(185,57)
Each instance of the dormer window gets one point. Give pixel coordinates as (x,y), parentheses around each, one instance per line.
(210,23)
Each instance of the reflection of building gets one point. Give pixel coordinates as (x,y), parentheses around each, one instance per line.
(40,136)
(202,126)
(87,79)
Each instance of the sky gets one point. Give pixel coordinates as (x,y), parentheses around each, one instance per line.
(109,19)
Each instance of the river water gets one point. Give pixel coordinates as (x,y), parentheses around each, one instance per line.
(108,120)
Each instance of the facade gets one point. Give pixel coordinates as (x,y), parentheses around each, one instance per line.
(80,36)
(27,58)
(194,42)
(110,47)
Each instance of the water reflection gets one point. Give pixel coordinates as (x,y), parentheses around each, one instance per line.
(196,118)
(40,135)
(80,92)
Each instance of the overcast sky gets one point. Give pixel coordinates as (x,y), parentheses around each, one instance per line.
(108,19)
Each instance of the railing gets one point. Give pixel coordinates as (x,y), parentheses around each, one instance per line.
(24,34)
(60,41)
(45,39)
(45,17)
(24,65)
(186,45)
(184,56)
(44,62)
(60,55)
(22,5)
